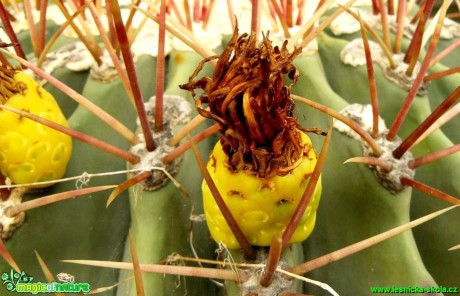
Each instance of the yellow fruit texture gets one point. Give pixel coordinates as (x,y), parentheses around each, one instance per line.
(29,151)
(261,207)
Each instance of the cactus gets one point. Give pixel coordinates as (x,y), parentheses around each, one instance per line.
(149,236)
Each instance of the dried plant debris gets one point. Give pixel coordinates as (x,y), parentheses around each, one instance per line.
(8,85)
(248,98)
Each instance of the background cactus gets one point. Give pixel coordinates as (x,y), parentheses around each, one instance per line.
(168,221)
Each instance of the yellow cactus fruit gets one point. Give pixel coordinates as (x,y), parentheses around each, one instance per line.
(263,161)
(29,151)
(261,207)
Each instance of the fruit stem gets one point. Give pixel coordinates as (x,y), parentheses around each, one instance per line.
(348,121)
(131,70)
(248,251)
(10,32)
(274,256)
(364,244)
(311,186)
(372,84)
(160,72)
(419,78)
(46,200)
(107,147)
(430,190)
(438,112)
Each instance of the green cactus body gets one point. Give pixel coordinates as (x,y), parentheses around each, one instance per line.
(160,226)
(378,211)
(391,98)
(161,219)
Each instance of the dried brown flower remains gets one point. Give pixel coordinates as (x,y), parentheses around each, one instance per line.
(249,99)
(8,86)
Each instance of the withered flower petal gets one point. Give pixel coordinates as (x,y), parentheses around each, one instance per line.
(248,98)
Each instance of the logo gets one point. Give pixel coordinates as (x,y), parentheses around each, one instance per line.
(23,283)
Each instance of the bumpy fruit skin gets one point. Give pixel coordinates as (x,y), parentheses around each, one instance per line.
(261,207)
(29,151)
